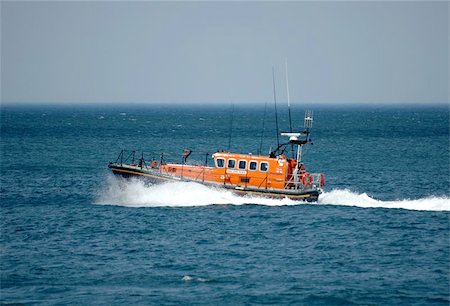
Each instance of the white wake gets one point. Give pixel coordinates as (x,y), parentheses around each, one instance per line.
(348,198)
(135,193)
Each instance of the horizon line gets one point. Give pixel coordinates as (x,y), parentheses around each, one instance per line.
(211,103)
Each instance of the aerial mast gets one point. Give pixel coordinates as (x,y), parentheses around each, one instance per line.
(288,96)
(231,127)
(275,102)
(263,126)
(307,123)
(289,103)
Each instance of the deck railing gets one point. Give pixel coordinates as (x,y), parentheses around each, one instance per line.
(296,182)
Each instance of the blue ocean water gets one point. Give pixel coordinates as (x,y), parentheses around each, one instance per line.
(72,233)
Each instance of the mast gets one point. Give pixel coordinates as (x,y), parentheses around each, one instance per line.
(299,139)
(308,121)
(263,126)
(288,96)
(275,102)
(231,127)
(289,104)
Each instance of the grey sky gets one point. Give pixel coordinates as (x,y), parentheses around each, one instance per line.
(356,52)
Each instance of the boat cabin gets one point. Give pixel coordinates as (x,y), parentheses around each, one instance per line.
(254,170)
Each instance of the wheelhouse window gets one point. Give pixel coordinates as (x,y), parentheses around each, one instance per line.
(253,165)
(242,164)
(263,167)
(231,163)
(220,162)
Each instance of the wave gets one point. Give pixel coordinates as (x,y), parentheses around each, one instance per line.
(346,197)
(136,193)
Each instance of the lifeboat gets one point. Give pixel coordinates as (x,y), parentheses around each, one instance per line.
(274,175)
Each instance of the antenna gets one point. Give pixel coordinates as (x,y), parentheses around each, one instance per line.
(288,96)
(231,127)
(275,102)
(263,125)
(289,103)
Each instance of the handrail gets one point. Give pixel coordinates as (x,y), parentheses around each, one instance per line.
(151,155)
(315,181)
(263,182)
(201,172)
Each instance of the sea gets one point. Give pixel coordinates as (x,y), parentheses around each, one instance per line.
(72,233)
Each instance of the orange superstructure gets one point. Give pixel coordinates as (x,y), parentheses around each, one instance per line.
(237,169)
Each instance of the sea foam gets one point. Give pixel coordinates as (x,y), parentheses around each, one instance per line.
(346,197)
(136,193)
